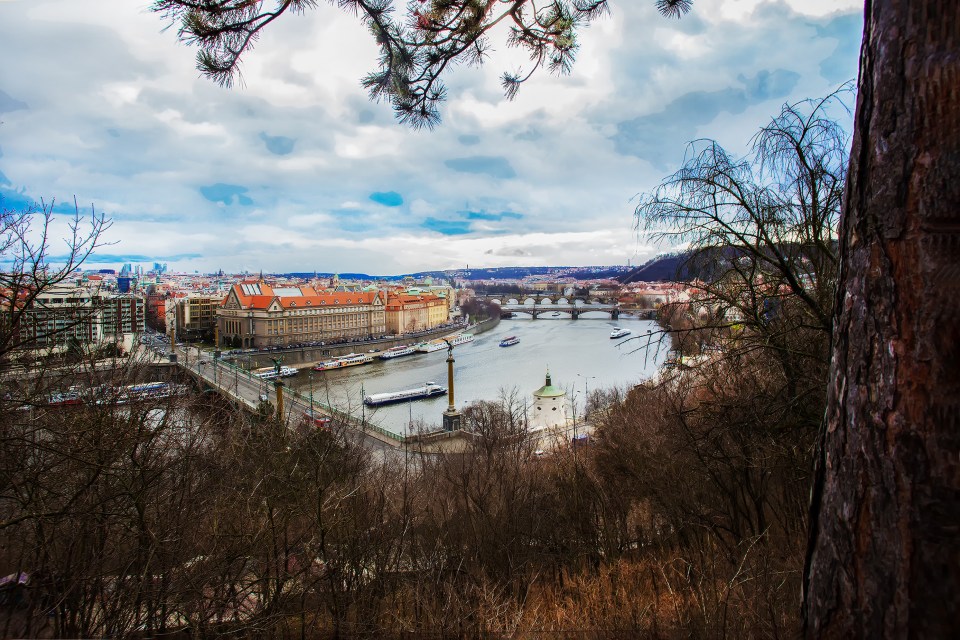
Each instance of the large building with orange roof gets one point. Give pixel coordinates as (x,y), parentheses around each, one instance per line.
(413,310)
(256,314)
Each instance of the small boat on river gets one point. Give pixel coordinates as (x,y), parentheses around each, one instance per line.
(428,390)
(509,341)
(619,332)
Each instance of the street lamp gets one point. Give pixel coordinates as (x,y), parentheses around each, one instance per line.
(586,393)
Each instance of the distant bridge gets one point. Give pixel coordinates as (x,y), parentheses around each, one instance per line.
(544,306)
(549,298)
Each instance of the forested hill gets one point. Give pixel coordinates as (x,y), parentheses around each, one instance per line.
(662,268)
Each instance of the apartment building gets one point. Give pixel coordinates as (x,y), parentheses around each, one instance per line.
(64,316)
(195,316)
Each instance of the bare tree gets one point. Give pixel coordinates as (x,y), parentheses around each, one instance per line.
(31,262)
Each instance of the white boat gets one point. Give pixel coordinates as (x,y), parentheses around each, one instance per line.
(349,360)
(433,345)
(428,390)
(61,398)
(398,351)
(269,373)
(509,341)
(148,391)
(461,338)
(619,332)
(441,343)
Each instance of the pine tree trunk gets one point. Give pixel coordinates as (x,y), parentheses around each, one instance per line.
(884,549)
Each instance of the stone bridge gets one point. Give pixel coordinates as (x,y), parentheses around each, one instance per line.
(546,306)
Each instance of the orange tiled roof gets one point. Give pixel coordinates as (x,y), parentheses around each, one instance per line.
(262,295)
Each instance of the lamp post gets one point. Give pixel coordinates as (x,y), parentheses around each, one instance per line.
(586,393)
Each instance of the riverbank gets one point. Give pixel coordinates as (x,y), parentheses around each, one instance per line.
(306,357)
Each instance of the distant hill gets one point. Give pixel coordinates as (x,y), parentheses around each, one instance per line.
(665,267)
(490,273)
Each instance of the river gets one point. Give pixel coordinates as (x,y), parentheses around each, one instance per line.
(578,354)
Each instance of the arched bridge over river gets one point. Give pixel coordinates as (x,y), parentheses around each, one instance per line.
(545,306)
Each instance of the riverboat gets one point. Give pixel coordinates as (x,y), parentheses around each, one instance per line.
(433,345)
(398,351)
(428,390)
(269,373)
(619,332)
(349,360)
(441,343)
(64,398)
(509,341)
(148,391)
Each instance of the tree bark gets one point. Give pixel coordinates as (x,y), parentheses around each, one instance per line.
(884,548)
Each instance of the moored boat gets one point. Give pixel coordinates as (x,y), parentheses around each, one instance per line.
(349,360)
(460,338)
(441,343)
(509,341)
(433,345)
(398,351)
(428,390)
(148,391)
(64,398)
(269,373)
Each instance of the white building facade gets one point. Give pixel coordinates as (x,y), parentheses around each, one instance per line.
(549,406)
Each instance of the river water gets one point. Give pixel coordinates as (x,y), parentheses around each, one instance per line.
(485,371)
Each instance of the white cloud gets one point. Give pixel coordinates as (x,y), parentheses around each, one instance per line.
(116,115)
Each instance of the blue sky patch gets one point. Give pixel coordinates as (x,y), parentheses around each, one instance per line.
(101,258)
(483,215)
(13,198)
(447,227)
(277,145)
(226,193)
(494,166)
(387,198)
(469,140)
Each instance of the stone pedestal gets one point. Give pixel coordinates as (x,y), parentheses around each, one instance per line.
(451,420)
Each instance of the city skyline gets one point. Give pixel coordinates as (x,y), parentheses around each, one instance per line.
(297,171)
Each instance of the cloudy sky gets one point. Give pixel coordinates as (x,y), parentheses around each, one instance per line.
(296,170)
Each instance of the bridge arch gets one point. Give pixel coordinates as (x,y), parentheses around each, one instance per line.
(513,301)
(529,301)
(545,301)
(496,302)
(563,301)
